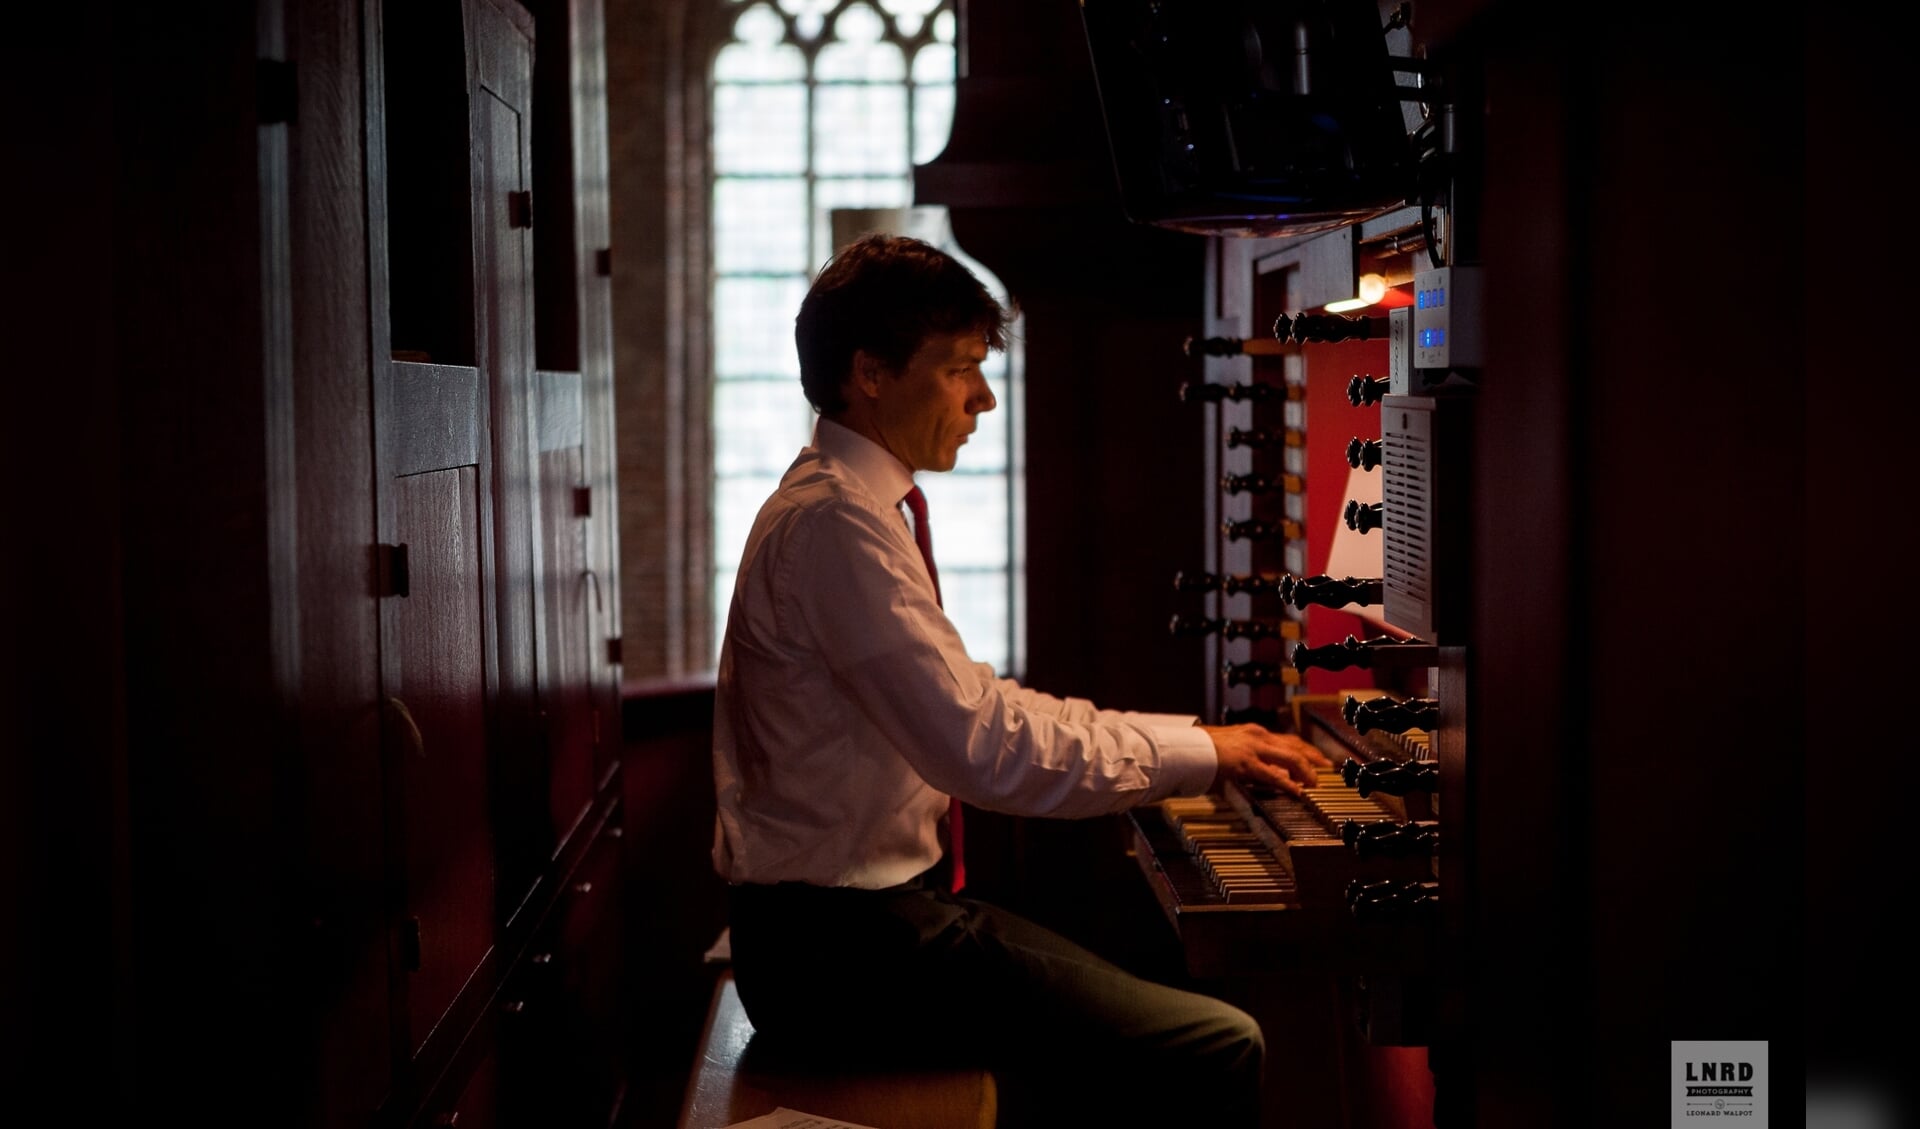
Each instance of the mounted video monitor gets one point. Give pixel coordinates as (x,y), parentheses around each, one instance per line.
(1251,118)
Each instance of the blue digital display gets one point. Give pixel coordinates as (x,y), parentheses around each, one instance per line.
(1432,338)
(1430,299)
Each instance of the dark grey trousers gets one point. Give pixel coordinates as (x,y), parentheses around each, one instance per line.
(915,974)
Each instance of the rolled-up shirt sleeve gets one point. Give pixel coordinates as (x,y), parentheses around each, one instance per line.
(991,742)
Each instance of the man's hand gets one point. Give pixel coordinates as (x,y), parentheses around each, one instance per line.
(1253,754)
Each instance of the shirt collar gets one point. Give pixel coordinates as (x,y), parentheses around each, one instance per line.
(872,464)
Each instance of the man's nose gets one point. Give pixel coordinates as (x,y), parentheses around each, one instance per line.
(982,400)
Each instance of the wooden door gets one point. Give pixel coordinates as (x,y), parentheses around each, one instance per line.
(438,710)
(572,597)
(435,469)
(501,44)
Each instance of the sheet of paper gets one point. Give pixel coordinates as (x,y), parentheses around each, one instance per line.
(784,1118)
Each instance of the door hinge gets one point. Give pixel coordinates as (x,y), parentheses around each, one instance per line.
(613,651)
(394,578)
(276,96)
(410,945)
(583,501)
(520,209)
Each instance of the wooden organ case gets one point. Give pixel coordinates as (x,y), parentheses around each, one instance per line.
(373,782)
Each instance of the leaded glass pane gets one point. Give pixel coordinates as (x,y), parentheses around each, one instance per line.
(759,129)
(908,15)
(759,26)
(760,225)
(735,502)
(860,62)
(976,603)
(808,15)
(758,55)
(759,425)
(859,55)
(753,326)
(934,63)
(859,24)
(968,513)
(860,130)
(852,146)
(932,121)
(891,192)
(744,62)
(986,449)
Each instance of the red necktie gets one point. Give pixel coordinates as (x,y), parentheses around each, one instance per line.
(923,537)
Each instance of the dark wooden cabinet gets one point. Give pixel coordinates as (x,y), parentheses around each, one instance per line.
(500,641)
(359,779)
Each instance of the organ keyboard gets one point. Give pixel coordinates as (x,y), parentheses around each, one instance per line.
(1253,880)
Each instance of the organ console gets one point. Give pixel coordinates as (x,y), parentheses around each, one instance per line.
(1357,876)
(1263,583)
(1235,346)
(1256,529)
(1384,837)
(1261,483)
(1258,437)
(1258,672)
(1366,391)
(1252,393)
(1351,652)
(1305,327)
(1374,901)
(1195,582)
(1235,628)
(1330,593)
(1367,714)
(1250,878)
(1345,880)
(1254,585)
(1394,779)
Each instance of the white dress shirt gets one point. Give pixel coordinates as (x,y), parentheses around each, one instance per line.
(848,712)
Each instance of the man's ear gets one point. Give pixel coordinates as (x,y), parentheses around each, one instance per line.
(868,370)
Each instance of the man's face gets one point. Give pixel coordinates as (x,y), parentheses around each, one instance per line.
(925,412)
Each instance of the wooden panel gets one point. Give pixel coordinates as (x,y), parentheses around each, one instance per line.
(591,956)
(191,692)
(559,409)
(564,1051)
(503,65)
(446,834)
(478,1103)
(350,982)
(566,699)
(436,423)
(586,29)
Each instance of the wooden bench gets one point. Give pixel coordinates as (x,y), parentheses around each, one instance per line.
(734,1080)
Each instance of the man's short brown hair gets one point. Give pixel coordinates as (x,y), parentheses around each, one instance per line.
(886,294)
